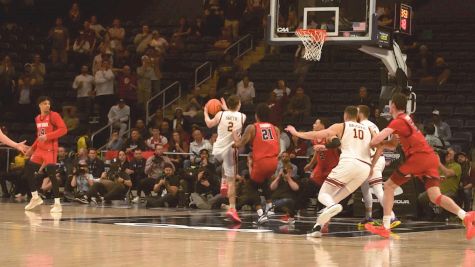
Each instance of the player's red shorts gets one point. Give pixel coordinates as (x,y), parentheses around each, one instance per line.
(46,157)
(263,169)
(320,173)
(424,166)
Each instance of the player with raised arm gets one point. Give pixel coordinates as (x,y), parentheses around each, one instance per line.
(353,167)
(9,142)
(228,121)
(420,161)
(44,152)
(264,138)
(375,181)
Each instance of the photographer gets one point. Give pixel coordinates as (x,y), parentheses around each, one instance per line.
(82,181)
(206,192)
(284,190)
(95,165)
(154,168)
(113,185)
(167,189)
(136,170)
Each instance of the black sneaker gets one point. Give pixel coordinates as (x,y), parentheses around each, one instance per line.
(82,200)
(316,231)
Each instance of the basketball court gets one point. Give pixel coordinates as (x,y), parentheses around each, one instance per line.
(124,235)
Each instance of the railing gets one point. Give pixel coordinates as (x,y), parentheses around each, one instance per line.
(240,47)
(165,103)
(8,155)
(102,130)
(199,81)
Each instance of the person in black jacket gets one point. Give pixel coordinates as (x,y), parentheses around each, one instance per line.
(95,164)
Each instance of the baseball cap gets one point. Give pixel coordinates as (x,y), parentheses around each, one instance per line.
(435,112)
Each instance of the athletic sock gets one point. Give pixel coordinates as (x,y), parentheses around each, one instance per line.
(232,206)
(461,214)
(387,222)
(34,194)
(57,201)
(393,216)
(260,212)
(369,213)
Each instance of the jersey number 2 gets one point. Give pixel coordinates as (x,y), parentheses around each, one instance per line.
(358,134)
(230,126)
(267,134)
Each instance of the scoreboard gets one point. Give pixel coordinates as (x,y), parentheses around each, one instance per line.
(403,22)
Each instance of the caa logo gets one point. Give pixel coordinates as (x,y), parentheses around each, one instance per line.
(283,30)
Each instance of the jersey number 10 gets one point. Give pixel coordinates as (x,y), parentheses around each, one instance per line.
(358,134)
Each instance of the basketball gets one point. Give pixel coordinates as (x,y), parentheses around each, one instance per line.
(214,106)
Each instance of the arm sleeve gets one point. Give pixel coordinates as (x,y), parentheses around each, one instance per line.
(61,129)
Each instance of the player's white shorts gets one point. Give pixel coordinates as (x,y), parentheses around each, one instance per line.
(229,158)
(349,173)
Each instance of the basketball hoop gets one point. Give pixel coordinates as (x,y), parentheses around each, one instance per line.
(313,40)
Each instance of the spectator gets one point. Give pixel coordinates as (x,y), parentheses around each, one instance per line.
(116,35)
(233,11)
(71,119)
(74,19)
(127,83)
(154,169)
(442,129)
(156,139)
(38,70)
(24,94)
(197,29)
(84,85)
(82,181)
(198,144)
(82,154)
(424,61)
(115,142)
(255,10)
(435,142)
(246,91)
(82,49)
(284,192)
(146,74)
(158,43)
(142,40)
(165,129)
(178,145)
(158,118)
(167,189)
(276,106)
(206,191)
(59,37)
(122,57)
(90,34)
(193,108)
(112,185)
(119,116)
(228,89)
(135,141)
(448,186)
(299,105)
(466,179)
(96,27)
(15,176)
(104,93)
(213,20)
(7,80)
(180,119)
(284,160)
(104,55)
(439,73)
(95,165)
(180,34)
(83,139)
(140,126)
(363,98)
(281,90)
(302,65)
(136,170)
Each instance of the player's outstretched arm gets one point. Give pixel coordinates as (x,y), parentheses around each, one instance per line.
(377,139)
(210,123)
(7,141)
(312,135)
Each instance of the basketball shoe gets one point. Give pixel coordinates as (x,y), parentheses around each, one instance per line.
(34,202)
(469,222)
(378,230)
(233,215)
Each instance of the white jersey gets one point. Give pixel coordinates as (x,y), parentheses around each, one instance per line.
(230,121)
(373,128)
(355,142)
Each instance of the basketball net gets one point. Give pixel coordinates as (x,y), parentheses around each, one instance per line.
(313,40)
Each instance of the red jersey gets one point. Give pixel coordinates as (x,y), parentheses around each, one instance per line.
(51,125)
(329,157)
(411,139)
(265,143)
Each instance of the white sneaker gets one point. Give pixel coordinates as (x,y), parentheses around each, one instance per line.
(270,213)
(316,231)
(136,200)
(57,208)
(262,219)
(329,213)
(34,202)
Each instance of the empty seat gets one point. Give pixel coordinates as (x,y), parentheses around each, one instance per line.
(464,111)
(435,99)
(462,136)
(455,123)
(455,99)
(469,124)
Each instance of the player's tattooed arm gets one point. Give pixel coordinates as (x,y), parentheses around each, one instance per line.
(248,135)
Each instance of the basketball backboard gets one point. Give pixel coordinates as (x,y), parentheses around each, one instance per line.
(348,21)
